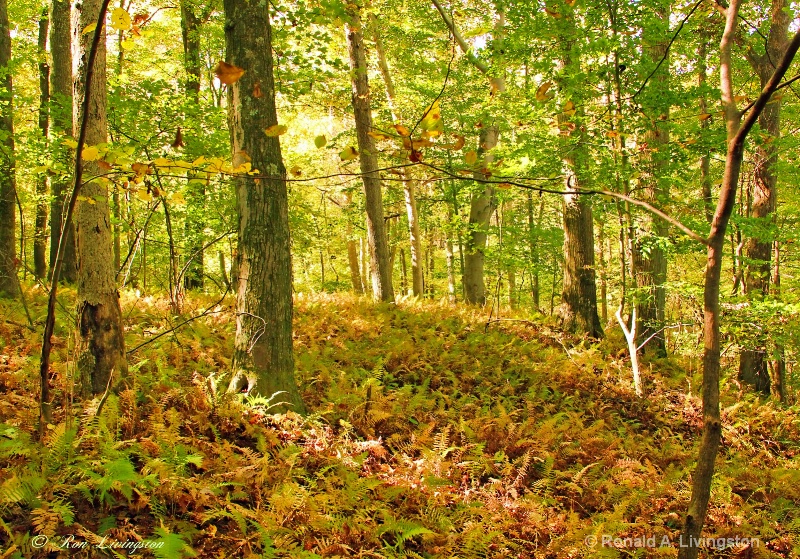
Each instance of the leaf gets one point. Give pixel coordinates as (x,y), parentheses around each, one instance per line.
(127,44)
(140,168)
(704,116)
(471,157)
(348,154)
(402,130)
(228,73)
(296,171)
(569,108)
(416,156)
(89,28)
(144,196)
(177,198)
(553,13)
(90,153)
(432,121)
(457,145)
(120,19)
(541,93)
(70,143)
(276,130)
(612,134)
(320,141)
(497,85)
(379,135)
(503,185)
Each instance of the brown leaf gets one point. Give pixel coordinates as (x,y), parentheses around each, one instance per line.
(178,142)
(228,73)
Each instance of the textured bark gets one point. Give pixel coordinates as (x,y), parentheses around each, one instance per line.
(753,369)
(482,206)
(101,344)
(705,159)
(712,425)
(649,259)
(263,359)
(61,121)
(352,251)
(381,271)
(578,310)
(196,192)
(9,283)
(40,238)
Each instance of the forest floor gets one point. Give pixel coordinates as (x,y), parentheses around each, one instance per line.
(431,434)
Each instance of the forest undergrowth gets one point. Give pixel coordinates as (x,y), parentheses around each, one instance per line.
(431,433)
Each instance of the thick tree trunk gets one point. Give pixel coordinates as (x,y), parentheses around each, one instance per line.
(9,283)
(381,272)
(196,192)
(263,359)
(40,239)
(753,369)
(649,259)
(101,344)
(61,122)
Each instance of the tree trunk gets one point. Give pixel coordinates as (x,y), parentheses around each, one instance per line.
(196,191)
(381,272)
(649,259)
(9,283)
(705,159)
(352,251)
(482,206)
(40,239)
(712,426)
(263,359)
(61,122)
(101,347)
(578,310)
(753,369)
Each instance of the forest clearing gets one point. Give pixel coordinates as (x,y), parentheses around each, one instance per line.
(401,278)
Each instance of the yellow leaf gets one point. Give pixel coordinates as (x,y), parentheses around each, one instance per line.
(348,154)
(432,121)
(320,141)
(144,196)
(379,135)
(90,153)
(612,134)
(276,130)
(541,93)
(296,171)
(503,185)
(162,162)
(141,168)
(70,143)
(127,44)
(120,19)
(471,157)
(199,161)
(89,28)
(228,73)
(402,130)
(704,116)
(177,198)
(569,108)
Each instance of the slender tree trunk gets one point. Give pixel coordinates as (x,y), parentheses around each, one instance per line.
(705,159)
(61,122)
(408,183)
(40,239)
(101,345)
(601,241)
(753,369)
(712,425)
(9,283)
(649,258)
(352,252)
(450,255)
(263,359)
(196,190)
(382,289)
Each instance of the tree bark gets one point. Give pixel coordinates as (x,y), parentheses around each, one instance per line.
(649,258)
(40,239)
(753,369)
(263,359)
(9,283)
(101,345)
(381,272)
(578,310)
(61,118)
(352,250)
(196,192)
(712,425)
